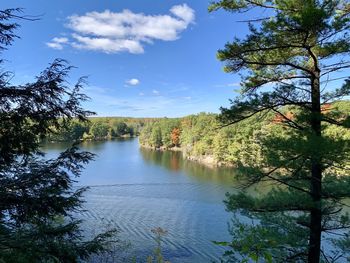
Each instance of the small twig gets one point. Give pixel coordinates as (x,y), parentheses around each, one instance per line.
(26,17)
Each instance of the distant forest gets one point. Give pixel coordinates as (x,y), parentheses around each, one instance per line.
(203,135)
(200,137)
(98,128)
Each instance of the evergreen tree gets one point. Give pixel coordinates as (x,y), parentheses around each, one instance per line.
(37,199)
(156,137)
(121,128)
(293,50)
(99,130)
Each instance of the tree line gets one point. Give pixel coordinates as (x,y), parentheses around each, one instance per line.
(98,128)
(203,135)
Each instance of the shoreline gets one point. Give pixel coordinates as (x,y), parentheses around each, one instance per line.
(206,160)
(94,140)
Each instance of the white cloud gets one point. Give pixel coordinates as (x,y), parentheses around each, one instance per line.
(61,40)
(107,45)
(156,92)
(184,12)
(132,82)
(57,42)
(113,32)
(54,45)
(234,84)
(141,94)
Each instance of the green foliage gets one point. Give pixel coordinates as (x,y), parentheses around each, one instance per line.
(159,133)
(238,143)
(201,135)
(72,131)
(121,128)
(37,198)
(158,256)
(98,128)
(156,138)
(294,51)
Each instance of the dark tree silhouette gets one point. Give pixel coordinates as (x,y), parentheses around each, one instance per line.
(37,199)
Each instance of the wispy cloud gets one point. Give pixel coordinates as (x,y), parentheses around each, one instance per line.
(132,82)
(126,107)
(57,42)
(155,92)
(113,32)
(107,102)
(234,84)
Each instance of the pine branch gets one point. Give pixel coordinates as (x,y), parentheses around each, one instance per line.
(9,13)
(289,121)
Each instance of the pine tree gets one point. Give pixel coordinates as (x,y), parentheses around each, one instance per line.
(296,52)
(37,199)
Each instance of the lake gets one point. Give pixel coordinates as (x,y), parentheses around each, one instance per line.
(137,190)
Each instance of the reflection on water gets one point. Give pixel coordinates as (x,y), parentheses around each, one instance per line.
(137,190)
(174,161)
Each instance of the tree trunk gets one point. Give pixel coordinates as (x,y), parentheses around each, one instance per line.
(316,175)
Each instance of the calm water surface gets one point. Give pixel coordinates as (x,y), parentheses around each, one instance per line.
(137,190)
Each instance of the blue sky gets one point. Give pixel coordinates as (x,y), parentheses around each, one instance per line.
(142,58)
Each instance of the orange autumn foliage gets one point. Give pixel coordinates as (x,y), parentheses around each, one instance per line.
(175,136)
(290,116)
(279,118)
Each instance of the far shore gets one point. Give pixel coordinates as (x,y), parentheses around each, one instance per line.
(207,160)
